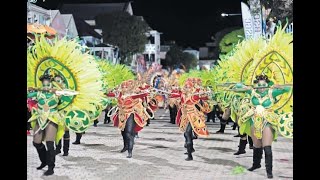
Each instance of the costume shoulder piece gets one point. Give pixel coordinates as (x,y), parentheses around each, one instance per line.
(116,74)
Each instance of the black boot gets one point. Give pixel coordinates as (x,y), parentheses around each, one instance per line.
(130,145)
(221,130)
(95,122)
(192,150)
(268,161)
(125,147)
(58,148)
(78,137)
(257,156)
(234,126)
(125,142)
(51,158)
(189,149)
(66,143)
(130,148)
(129,154)
(41,149)
(242,147)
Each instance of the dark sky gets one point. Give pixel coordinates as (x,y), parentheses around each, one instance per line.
(189,23)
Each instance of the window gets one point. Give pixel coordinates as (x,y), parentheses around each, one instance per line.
(146,57)
(152,57)
(35,18)
(42,19)
(151,39)
(30,15)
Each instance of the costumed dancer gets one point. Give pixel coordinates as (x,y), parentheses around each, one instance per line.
(46,121)
(263,109)
(57,108)
(189,118)
(130,115)
(263,120)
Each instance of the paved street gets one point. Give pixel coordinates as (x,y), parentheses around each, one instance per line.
(159,154)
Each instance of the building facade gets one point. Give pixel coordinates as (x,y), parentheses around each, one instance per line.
(64,24)
(152,48)
(36,14)
(90,34)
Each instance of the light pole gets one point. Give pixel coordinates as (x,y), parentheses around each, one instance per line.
(225,14)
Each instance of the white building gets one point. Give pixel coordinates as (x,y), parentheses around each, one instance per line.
(64,24)
(152,48)
(105,51)
(193,52)
(38,14)
(90,34)
(88,12)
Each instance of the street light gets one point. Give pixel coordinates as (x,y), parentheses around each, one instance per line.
(225,14)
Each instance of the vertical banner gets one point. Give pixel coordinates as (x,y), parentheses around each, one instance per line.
(255,9)
(247,21)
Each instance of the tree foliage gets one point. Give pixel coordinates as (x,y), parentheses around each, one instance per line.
(281,9)
(125,31)
(176,57)
(230,40)
(189,60)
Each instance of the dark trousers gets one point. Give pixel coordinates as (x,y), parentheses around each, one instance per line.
(211,115)
(106,118)
(188,135)
(173,114)
(129,133)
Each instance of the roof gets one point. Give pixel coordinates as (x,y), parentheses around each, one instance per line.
(90,11)
(66,18)
(54,13)
(84,29)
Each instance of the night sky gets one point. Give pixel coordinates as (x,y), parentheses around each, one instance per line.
(189,23)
